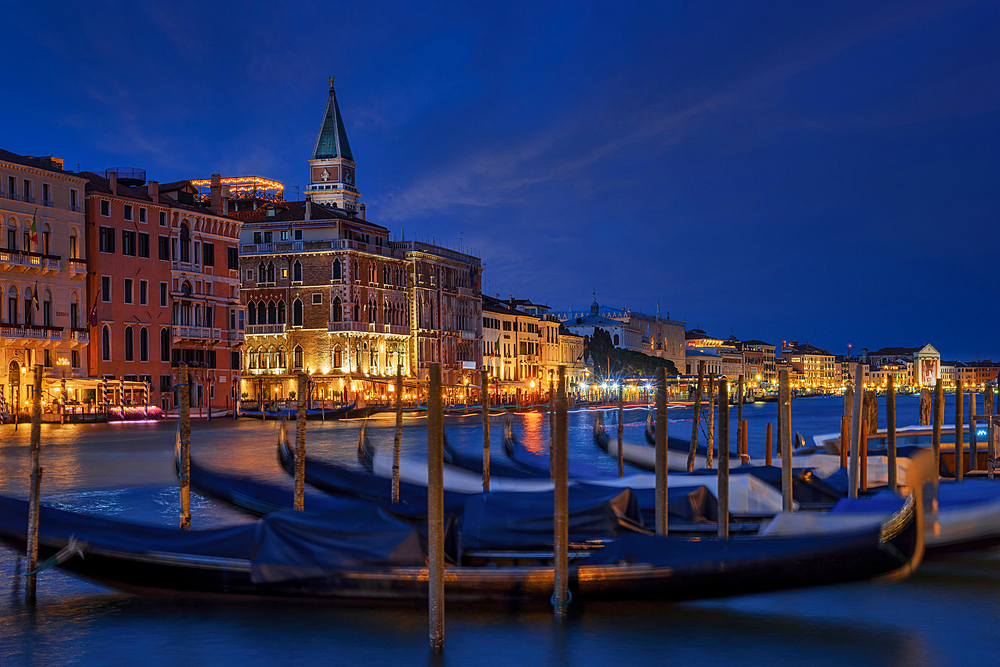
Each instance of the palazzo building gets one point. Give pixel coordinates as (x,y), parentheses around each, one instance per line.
(43,292)
(163,288)
(327,292)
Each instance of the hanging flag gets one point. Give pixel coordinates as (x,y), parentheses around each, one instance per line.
(34,228)
(34,295)
(93,311)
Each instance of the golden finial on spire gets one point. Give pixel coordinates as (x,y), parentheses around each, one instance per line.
(331,82)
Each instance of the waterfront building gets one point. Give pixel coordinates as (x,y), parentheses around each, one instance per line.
(661,336)
(923,363)
(327,292)
(723,357)
(812,367)
(43,291)
(948,371)
(719,360)
(163,279)
(758,362)
(324,294)
(623,334)
(524,347)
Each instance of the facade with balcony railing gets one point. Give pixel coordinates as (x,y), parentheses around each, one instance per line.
(41,296)
(163,278)
(327,292)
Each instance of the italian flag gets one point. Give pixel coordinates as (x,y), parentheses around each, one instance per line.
(34,228)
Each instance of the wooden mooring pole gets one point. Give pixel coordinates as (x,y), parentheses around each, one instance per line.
(864,455)
(844,439)
(561,596)
(859,397)
(973,438)
(184,415)
(35,483)
(741,430)
(300,443)
(991,431)
(621,430)
(710,422)
(959,423)
(723,480)
(661,451)
(697,416)
(745,458)
(769,441)
(552,425)
(398,441)
(484,382)
(936,428)
(435,510)
(890,432)
(785,409)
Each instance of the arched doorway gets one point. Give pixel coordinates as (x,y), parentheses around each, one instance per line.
(14,386)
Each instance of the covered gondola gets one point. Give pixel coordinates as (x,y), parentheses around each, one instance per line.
(365,555)
(342,412)
(644,456)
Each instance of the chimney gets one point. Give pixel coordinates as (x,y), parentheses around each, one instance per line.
(216,194)
(113,181)
(309,208)
(153,189)
(362,211)
(225,199)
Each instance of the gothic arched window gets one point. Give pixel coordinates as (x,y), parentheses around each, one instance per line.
(129,345)
(297,313)
(336,269)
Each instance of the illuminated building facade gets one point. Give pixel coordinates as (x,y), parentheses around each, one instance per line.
(163,289)
(811,367)
(43,292)
(623,334)
(524,346)
(327,292)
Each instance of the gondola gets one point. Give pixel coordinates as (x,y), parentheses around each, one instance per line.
(643,456)
(748,496)
(342,412)
(365,555)
(539,463)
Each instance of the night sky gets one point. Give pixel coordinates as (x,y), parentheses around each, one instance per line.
(826,172)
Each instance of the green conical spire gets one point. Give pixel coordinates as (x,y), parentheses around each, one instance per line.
(332,140)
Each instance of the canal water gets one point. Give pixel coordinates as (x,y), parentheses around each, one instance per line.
(947,614)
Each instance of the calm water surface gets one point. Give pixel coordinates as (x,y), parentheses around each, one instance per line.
(948,614)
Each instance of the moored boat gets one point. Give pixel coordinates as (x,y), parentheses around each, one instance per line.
(366,555)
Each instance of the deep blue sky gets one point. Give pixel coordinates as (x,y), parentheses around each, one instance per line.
(819,171)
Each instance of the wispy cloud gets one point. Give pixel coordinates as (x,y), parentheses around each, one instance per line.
(500,172)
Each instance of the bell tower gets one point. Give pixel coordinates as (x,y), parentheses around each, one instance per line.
(331,169)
